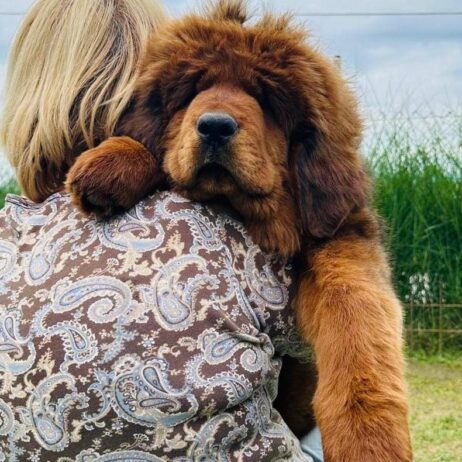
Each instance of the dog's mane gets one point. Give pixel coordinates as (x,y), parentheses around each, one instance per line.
(272,61)
(237,11)
(226,10)
(224,46)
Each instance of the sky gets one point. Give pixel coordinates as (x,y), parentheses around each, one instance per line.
(394,62)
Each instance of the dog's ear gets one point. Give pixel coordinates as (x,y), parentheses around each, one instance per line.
(325,161)
(144,121)
(227,10)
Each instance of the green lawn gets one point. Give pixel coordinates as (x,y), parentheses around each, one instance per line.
(436,410)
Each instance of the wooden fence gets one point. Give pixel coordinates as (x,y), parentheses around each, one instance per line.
(442,332)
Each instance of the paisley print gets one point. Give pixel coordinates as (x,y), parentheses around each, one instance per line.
(112,298)
(155,401)
(48,420)
(6,418)
(43,256)
(155,336)
(126,233)
(128,456)
(7,258)
(17,354)
(26,214)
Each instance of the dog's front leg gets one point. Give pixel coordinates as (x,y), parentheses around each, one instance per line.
(347,309)
(297,384)
(113,177)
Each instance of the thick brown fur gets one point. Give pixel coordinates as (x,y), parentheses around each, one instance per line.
(128,174)
(294,174)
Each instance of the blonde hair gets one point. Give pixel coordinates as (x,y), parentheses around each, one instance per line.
(71,75)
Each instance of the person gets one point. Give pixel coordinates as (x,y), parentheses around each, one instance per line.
(153,336)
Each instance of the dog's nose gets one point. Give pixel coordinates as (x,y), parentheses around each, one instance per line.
(216,127)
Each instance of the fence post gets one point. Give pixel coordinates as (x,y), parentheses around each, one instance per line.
(411,329)
(440,319)
(338,61)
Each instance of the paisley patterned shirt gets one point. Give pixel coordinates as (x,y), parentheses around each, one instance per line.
(155,336)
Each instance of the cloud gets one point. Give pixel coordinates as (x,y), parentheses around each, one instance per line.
(404,55)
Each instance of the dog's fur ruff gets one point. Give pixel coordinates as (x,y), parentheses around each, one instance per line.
(294,174)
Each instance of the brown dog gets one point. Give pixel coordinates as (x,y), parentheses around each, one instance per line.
(251,114)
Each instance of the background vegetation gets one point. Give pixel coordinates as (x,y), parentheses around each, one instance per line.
(6,188)
(417,165)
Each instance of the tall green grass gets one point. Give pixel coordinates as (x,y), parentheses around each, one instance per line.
(418,192)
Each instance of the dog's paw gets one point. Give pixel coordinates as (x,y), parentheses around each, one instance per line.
(112,178)
(275,235)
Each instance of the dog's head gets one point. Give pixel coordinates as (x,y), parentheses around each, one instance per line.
(253,114)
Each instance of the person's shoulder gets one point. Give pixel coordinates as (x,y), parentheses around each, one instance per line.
(171,204)
(168,205)
(165,204)
(21,211)
(168,202)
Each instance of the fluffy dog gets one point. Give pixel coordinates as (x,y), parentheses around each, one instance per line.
(252,115)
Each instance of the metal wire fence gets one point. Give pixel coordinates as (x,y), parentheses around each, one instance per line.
(442,333)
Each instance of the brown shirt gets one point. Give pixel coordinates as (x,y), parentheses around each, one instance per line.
(156,336)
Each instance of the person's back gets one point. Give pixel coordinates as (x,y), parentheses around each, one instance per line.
(149,337)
